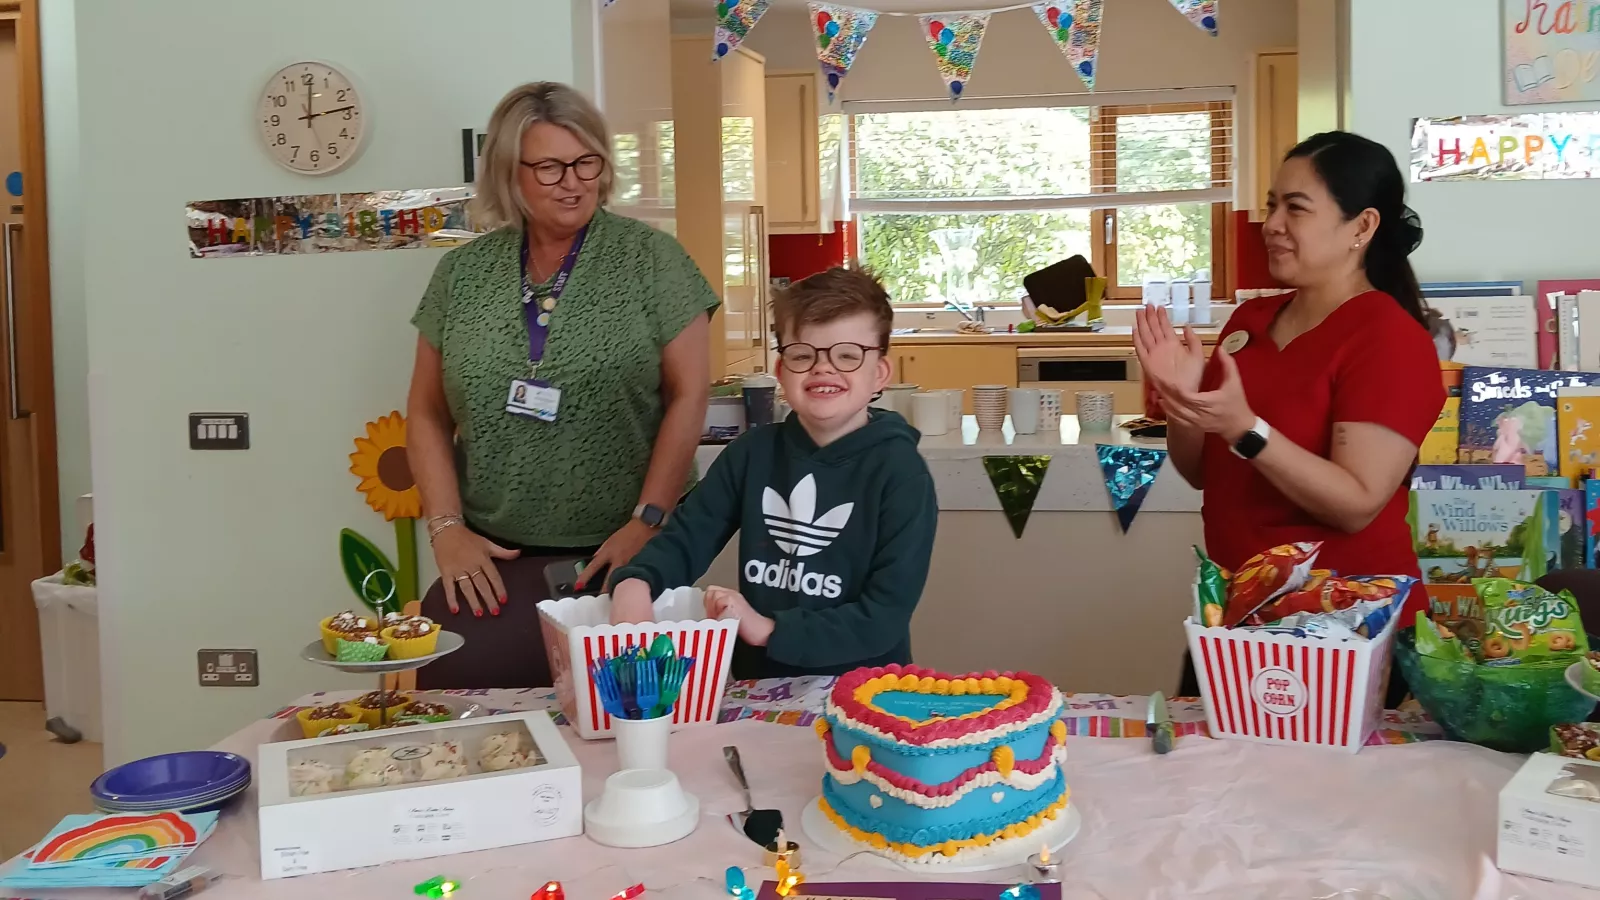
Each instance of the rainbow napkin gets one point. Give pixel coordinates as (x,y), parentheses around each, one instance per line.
(116,850)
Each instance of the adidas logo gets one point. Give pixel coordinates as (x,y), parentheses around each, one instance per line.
(791,524)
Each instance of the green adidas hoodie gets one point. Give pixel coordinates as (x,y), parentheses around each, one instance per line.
(834,543)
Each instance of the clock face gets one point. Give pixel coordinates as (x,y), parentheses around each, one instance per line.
(312,120)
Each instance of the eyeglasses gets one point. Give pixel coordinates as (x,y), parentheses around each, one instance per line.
(846,357)
(550,172)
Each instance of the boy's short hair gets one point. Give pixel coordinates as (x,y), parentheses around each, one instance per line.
(829,296)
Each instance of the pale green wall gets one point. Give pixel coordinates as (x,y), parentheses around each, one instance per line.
(239,549)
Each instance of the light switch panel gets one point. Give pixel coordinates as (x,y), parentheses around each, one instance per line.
(219,431)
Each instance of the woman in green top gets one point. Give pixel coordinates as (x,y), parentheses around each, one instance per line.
(560,383)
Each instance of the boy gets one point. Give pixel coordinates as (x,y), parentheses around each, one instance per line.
(834,506)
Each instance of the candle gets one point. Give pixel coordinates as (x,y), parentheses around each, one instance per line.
(1045,867)
(782,850)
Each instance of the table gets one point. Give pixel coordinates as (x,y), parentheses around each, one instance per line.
(1215,820)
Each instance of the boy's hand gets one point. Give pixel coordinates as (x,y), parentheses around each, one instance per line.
(631,603)
(754,628)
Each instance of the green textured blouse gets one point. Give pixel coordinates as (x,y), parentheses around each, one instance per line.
(574,481)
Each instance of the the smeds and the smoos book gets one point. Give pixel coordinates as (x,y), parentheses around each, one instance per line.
(1509,416)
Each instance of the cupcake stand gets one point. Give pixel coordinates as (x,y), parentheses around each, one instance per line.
(449,642)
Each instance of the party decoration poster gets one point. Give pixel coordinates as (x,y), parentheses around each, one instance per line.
(954,40)
(1552,51)
(1203,13)
(1516,147)
(330,223)
(1075,27)
(735,18)
(839,31)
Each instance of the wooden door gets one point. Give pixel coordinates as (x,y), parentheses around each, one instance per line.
(30,541)
(792,153)
(1277,115)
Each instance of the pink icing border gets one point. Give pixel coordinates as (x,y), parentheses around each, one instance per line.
(905,783)
(844,691)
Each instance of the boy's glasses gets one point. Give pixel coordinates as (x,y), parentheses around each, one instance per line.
(549,172)
(846,357)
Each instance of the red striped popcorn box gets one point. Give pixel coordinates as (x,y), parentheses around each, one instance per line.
(1282,689)
(577,632)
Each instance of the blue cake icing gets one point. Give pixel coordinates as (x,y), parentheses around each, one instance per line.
(934,832)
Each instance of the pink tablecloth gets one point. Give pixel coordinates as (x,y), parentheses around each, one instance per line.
(1215,819)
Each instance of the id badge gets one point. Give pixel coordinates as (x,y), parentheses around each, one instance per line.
(533,399)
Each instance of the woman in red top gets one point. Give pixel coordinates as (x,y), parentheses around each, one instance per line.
(1306,423)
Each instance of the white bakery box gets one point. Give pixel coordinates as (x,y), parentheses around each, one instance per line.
(1555,836)
(420,791)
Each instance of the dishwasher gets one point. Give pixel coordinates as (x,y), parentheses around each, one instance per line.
(1072,369)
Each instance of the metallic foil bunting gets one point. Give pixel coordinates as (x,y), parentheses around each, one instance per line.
(1129,472)
(1016,481)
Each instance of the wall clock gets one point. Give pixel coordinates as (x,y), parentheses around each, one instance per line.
(312,118)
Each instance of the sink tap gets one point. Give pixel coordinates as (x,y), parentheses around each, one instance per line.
(973,313)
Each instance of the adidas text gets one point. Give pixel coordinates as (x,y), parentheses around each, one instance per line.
(795,580)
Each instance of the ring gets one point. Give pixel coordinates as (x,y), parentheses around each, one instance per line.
(463,578)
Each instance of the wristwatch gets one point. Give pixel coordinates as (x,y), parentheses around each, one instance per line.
(1254,441)
(650,515)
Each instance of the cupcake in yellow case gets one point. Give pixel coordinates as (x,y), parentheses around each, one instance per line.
(371,706)
(411,637)
(317,719)
(346,625)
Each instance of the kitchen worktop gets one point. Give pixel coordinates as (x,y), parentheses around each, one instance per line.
(1111,336)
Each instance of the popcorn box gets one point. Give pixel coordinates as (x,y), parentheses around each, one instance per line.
(1281,689)
(577,632)
(1546,835)
(465,807)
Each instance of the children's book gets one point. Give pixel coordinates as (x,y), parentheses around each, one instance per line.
(1510,477)
(1509,416)
(1571,528)
(1462,535)
(1578,427)
(1591,520)
(1441,444)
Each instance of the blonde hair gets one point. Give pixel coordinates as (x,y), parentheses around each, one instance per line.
(499,200)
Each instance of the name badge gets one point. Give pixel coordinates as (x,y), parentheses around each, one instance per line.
(533,399)
(1235,342)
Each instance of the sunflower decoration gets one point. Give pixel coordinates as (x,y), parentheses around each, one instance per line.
(381,463)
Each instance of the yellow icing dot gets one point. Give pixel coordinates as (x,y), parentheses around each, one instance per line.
(942,686)
(950,848)
(1003,685)
(822,727)
(925,685)
(859,757)
(908,683)
(958,687)
(987,685)
(1058,730)
(1004,760)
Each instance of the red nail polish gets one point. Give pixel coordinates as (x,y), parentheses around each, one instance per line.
(478,613)
(502,599)
(494,611)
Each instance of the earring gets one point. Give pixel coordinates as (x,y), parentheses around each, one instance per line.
(1356,246)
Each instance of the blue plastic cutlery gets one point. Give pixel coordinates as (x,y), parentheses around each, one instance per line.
(636,684)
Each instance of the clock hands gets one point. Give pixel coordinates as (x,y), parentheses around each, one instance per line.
(312,115)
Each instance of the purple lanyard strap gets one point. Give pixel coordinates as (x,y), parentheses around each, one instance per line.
(539,319)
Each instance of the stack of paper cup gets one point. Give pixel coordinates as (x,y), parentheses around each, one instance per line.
(989,405)
(930,412)
(957,398)
(1095,410)
(1025,410)
(1049,410)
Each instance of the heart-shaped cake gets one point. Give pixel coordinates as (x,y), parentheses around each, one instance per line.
(928,766)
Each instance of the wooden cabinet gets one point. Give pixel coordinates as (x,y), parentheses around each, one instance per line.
(719,113)
(804,142)
(1275,115)
(936,367)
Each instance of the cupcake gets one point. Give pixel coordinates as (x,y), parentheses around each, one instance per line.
(372,703)
(352,728)
(444,760)
(346,625)
(368,649)
(411,637)
(428,712)
(311,777)
(373,768)
(500,752)
(318,719)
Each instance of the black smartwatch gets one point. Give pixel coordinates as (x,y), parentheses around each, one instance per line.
(650,515)
(1254,441)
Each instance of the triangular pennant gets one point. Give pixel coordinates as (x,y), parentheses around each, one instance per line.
(840,31)
(1016,481)
(1075,27)
(1129,472)
(1203,13)
(954,40)
(735,18)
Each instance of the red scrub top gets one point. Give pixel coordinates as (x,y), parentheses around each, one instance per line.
(1369,361)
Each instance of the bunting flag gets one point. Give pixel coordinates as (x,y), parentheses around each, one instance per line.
(1016,481)
(840,31)
(954,40)
(1075,27)
(1129,472)
(1203,13)
(735,18)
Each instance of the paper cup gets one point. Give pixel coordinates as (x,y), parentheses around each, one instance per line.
(957,399)
(642,743)
(1025,410)
(1049,410)
(931,413)
(1095,411)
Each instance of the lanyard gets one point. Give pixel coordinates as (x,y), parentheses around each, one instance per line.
(537,314)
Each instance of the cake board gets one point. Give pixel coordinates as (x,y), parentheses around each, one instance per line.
(1054,833)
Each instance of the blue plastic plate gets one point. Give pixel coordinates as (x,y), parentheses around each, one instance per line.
(172,778)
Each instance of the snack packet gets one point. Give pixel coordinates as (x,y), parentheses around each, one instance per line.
(1267,576)
(1437,640)
(1211,592)
(1526,623)
(1365,617)
(1328,594)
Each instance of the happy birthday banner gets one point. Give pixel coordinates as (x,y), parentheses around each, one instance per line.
(954,38)
(1506,147)
(330,223)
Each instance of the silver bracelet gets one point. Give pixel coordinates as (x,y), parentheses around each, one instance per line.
(437,525)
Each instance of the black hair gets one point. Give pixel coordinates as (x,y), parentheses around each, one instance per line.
(1361,174)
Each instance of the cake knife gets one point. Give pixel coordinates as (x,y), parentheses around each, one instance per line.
(1159,724)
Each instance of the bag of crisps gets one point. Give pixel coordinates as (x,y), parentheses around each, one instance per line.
(1526,623)
(1211,591)
(1267,576)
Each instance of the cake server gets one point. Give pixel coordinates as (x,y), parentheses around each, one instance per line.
(759,825)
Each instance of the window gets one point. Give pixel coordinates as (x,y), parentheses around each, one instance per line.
(961,204)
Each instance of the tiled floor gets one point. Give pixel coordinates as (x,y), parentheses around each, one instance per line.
(41,780)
